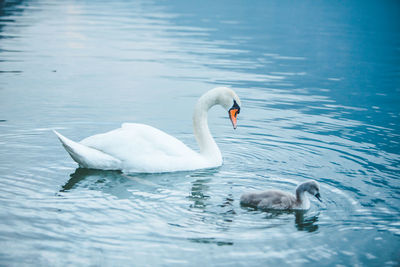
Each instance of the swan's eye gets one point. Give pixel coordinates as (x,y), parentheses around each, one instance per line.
(235,106)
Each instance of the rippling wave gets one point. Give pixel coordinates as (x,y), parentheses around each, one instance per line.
(319,101)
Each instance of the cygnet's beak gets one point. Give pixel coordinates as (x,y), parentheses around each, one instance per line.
(233,112)
(318,196)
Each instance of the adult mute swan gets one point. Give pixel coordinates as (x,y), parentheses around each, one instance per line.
(278,200)
(141,148)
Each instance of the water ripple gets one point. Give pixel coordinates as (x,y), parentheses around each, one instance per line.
(323,110)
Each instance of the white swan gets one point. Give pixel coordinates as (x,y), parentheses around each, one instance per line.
(142,148)
(278,200)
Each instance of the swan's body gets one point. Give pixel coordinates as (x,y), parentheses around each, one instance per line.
(142,148)
(279,200)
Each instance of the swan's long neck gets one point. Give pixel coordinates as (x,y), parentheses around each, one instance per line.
(207,145)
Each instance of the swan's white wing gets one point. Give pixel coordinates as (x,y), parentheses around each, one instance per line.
(143,148)
(88,157)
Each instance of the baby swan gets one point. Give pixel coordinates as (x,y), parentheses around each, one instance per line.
(278,200)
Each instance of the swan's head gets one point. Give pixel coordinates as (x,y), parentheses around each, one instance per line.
(229,100)
(312,187)
(223,96)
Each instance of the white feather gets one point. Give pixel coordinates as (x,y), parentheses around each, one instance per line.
(141,148)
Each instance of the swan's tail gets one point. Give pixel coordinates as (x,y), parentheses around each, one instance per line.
(88,157)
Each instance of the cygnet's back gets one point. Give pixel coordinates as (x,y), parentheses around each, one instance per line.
(271,199)
(279,200)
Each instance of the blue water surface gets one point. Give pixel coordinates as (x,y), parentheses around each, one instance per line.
(320,88)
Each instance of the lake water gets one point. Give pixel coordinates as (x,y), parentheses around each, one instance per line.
(320,90)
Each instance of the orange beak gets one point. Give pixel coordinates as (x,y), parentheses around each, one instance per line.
(233,112)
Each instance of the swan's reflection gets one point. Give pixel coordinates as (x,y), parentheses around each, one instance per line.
(115,182)
(219,214)
(199,197)
(120,184)
(80,174)
(198,193)
(112,182)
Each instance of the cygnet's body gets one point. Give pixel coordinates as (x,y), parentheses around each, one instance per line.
(279,200)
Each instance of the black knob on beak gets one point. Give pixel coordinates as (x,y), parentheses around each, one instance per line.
(318,196)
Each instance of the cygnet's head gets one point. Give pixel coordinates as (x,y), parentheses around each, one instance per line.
(312,187)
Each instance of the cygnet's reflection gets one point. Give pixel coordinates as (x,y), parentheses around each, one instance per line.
(302,222)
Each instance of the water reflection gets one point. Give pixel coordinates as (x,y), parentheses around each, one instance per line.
(8,9)
(200,187)
(229,211)
(213,207)
(111,182)
(301,120)
(211,241)
(304,223)
(97,178)
(301,221)
(207,211)
(198,193)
